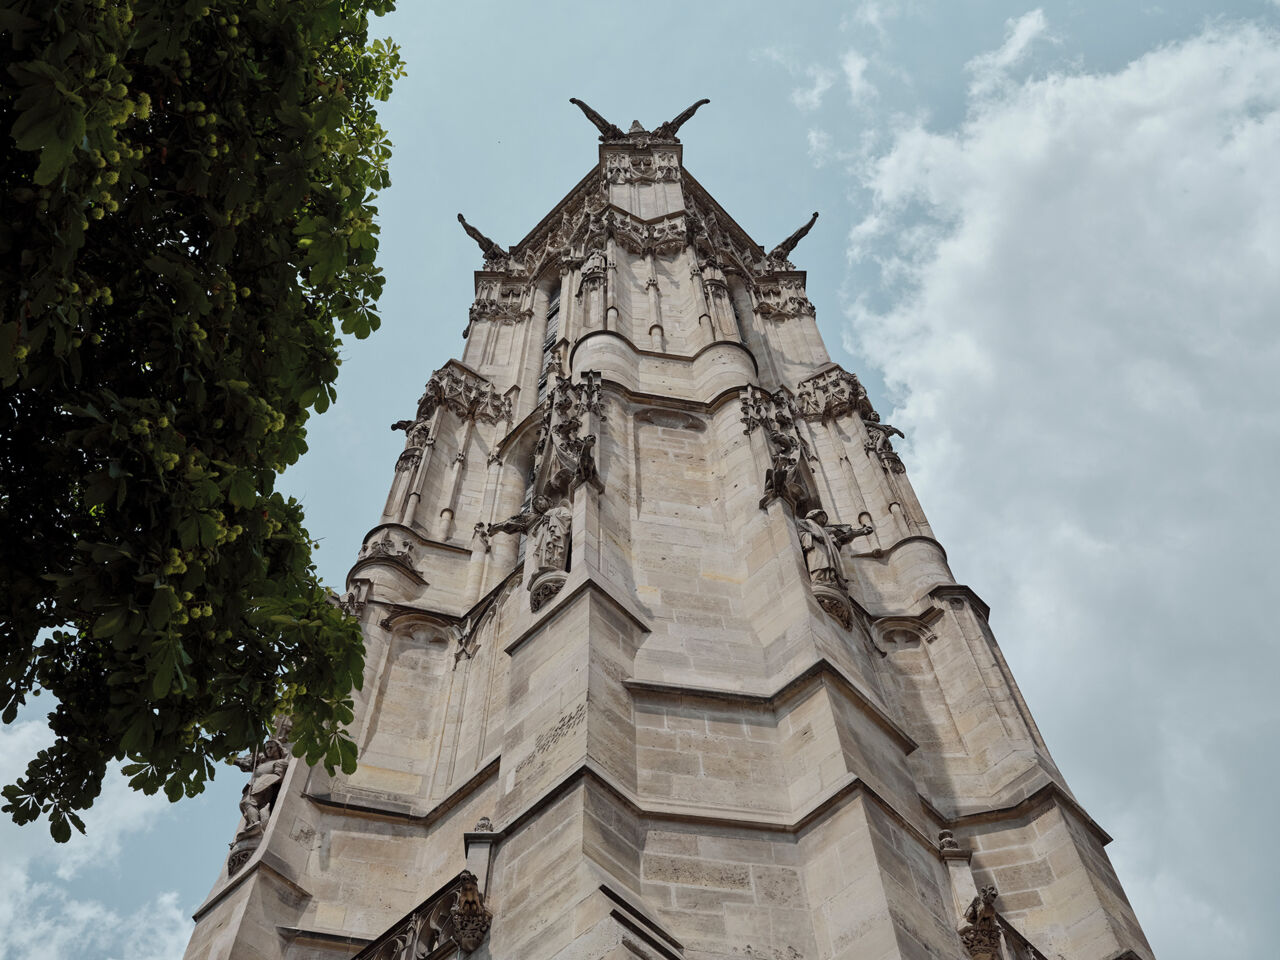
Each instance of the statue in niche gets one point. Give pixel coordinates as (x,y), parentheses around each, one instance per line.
(586,470)
(821,543)
(267,768)
(880,443)
(548,527)
(551,537)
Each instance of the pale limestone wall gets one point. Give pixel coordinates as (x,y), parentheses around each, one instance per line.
(682,753)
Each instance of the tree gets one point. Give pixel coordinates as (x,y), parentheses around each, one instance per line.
(188,224)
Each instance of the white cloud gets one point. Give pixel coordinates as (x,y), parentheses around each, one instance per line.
(42,920)
(1077,308)
(990,70)
(810,97)
(819,146)
(818,79)
(877,13)
(42,923)
(854,66)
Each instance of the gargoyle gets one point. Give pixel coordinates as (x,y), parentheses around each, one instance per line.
(783,250)
(608,131)
(667,131)
(490,249)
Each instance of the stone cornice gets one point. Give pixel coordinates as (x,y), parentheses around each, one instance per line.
(822,668)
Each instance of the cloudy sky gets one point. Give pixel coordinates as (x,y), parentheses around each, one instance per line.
(1050,245)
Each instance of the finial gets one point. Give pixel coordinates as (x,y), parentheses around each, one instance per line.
(783,250)
(608,131)
(490,249)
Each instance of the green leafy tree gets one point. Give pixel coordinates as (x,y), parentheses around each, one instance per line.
(187,225)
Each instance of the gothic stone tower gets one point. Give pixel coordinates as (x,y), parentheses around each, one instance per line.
(664,660)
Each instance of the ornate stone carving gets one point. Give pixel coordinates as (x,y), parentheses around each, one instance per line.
(722,245)
(656,167)
(352,602)
(483,825)
(467,394)
(543,587)
(456,915)
(564,457)
(482,533)
(979,929)
(399,551)
(832,394)
(408,460)
(879,443)
(665,237)
(787,477)
(947,841)
(778,256)
(783,300)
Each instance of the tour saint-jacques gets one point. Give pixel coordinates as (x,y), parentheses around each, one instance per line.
(663,659)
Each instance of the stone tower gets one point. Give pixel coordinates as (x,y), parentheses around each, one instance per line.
(664,660)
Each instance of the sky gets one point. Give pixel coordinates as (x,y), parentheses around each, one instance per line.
(1049,245)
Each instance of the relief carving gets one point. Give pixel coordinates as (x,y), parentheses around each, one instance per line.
(658,167)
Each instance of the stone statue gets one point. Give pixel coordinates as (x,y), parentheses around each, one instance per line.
(586,470)
(608,131)
(979,929)
(783,250)
(490,249)
(551,537)
(821,544)
(667,131)
(781,472)
(267,768)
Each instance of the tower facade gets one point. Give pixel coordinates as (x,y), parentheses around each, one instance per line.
(663,659)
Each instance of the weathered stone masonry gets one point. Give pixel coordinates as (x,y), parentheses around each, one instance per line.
(664,660)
